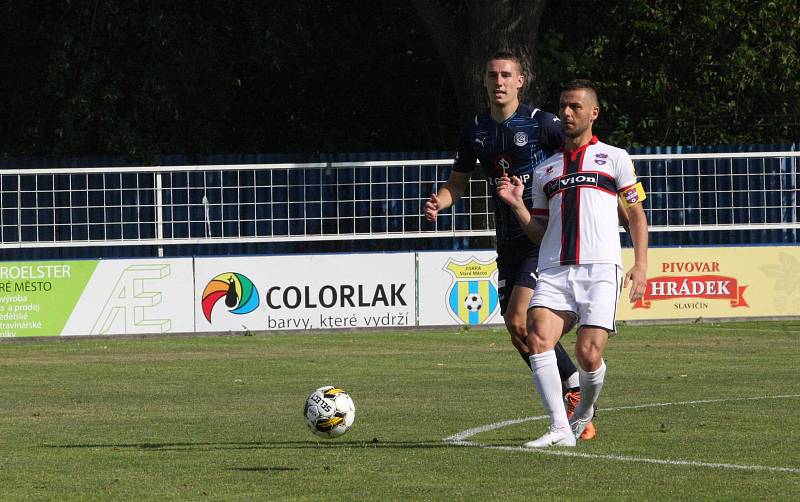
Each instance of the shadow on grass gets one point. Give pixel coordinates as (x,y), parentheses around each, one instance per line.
(256,445)
(263,469)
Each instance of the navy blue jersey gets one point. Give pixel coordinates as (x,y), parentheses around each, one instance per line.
(515,147)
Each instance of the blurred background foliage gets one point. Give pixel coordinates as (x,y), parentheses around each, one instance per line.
(142,78)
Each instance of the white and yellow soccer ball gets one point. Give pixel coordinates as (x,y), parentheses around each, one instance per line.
(329,412)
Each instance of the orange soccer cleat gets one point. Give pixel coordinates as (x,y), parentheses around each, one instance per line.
(571,400)
(589,432)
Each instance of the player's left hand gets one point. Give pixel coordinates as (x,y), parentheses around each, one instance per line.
(637,278)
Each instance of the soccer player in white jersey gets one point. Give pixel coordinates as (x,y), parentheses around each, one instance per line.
(574,213)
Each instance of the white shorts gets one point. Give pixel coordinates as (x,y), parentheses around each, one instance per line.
(589,291)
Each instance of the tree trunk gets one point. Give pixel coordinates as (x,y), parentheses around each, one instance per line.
(467,33)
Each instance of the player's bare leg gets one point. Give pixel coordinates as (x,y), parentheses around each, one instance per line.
(517,325)
(544,329)
(516,320)
(589,349)
(516,317)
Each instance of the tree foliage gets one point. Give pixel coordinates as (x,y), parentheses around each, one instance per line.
(682,72)
(142,78)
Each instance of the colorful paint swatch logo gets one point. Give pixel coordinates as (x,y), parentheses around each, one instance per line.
(239,292)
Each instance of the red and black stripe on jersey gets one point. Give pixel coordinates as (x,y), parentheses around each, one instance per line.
(569,185)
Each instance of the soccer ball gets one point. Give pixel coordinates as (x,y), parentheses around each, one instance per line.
(329,412)
(473,303)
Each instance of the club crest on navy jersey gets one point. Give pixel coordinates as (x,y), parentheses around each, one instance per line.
(513,147)
(502,164)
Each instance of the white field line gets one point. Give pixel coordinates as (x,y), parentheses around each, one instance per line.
(709,326)
(461,439)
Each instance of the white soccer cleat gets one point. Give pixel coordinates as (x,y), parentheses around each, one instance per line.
(578,424)
(554,437)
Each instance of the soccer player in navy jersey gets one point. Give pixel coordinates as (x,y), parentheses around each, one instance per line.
(510,139)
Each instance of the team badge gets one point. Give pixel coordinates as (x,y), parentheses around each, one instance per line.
(632,196)
(502,164)
(520,139)
(600,158)
(472,298)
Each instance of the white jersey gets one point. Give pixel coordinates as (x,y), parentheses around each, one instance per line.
(577,192)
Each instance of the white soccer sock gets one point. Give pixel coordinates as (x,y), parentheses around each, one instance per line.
(591,385)
(548,383)
(571,382)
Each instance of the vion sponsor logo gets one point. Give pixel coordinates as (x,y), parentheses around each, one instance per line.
(570,181)
(708,285)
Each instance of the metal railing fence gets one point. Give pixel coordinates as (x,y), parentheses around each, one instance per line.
(203,204)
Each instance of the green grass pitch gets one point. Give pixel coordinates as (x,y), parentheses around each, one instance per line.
(702,411)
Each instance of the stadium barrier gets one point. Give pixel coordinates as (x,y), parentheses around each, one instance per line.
(346,291)
(694,199)
(719,199)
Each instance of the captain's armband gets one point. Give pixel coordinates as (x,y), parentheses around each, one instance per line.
(632,195)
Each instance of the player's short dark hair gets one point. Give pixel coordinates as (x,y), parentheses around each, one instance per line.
(504,54)
(507,56)
(578,84)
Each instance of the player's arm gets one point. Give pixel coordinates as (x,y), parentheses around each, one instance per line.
(447,195)
(622,214)
(637,229)
(631,196)
(634,220)
(510,191)
(457,182)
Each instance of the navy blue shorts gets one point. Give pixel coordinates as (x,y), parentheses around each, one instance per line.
(517,261)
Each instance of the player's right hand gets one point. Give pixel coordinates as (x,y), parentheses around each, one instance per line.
(510,190)
(432,208)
